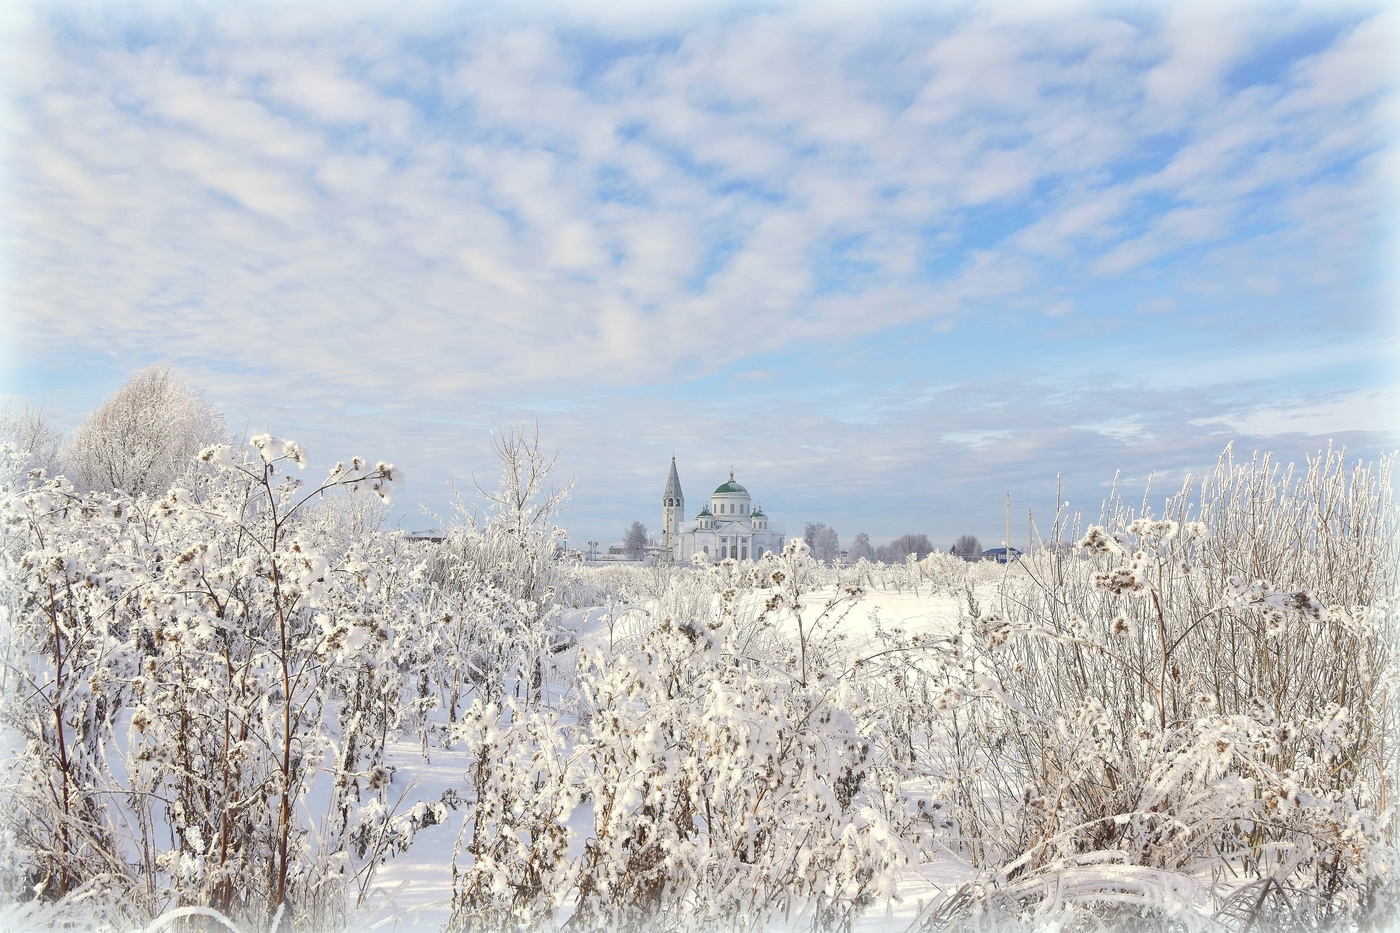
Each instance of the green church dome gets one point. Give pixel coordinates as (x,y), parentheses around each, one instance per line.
(730,486)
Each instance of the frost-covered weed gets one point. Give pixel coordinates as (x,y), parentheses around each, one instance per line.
(1189,715)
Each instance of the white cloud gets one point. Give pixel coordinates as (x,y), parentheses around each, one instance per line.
(315,200)
(1352,69)
(1367,410)
(1200,44)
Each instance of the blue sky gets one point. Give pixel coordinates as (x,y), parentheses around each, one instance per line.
(889,264)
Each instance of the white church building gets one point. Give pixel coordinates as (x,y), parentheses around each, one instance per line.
(729,525)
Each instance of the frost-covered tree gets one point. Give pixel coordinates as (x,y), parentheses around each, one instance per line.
(634,540)
(143,437)
(860,548)
(342,515)
(822,539)
(903,546)
(528,496)
(967,547)
(36,442)
(493,585)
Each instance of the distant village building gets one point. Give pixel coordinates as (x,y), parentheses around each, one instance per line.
(729,525)
(1001,554)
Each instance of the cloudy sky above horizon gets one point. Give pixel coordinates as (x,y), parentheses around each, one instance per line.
(889,264)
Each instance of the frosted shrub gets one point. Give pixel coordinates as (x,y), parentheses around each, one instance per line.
(493,590)
(723,786)
(492,634)
(1188,714)
(1175,716)
(70,565)
(188,667)
(509,870)
(936,573)
(722,793)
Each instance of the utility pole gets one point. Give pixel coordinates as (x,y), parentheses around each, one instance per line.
(1006,551)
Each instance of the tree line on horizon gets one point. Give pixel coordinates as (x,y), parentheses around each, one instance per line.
(825,545)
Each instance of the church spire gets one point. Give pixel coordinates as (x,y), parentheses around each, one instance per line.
(673,483)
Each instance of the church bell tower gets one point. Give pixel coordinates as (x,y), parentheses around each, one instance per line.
(672,514)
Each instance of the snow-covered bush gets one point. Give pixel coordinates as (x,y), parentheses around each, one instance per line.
(185,668)
(723,785)
(936,572)
(510,870)
(493,590)
(70,563)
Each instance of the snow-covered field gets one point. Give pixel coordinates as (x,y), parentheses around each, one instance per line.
(240,701)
